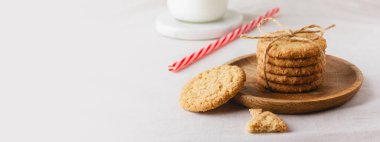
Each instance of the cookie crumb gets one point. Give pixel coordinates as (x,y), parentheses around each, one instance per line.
(265,122)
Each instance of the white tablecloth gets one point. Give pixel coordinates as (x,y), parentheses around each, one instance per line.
(96,70)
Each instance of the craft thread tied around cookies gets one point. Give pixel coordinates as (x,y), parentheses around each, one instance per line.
(288,35)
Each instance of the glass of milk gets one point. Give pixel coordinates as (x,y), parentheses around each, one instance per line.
(197,10)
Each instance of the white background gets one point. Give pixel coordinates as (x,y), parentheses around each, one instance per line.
(96,71)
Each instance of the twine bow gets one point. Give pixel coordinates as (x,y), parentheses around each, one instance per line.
(288,35)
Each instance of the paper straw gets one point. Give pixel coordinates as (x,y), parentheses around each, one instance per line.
(194,57)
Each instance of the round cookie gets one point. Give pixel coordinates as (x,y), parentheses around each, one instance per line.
(302,71)
(302,62)
(290,88)
(212,88)
(289,80)
(285,48)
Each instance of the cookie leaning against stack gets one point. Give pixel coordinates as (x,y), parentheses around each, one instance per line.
(212,88)
(291,66)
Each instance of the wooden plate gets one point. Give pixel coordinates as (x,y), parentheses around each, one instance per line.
(341,82)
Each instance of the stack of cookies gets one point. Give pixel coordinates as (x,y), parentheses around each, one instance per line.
(291,65)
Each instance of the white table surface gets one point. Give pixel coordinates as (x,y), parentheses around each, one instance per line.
(95,71)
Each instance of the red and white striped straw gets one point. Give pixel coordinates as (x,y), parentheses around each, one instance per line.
(192,58)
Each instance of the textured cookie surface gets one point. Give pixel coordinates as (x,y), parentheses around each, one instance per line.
(302,62)
(287,71)
(265,122)
(212,88)
(290,88)
(290,80)
(285,48)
